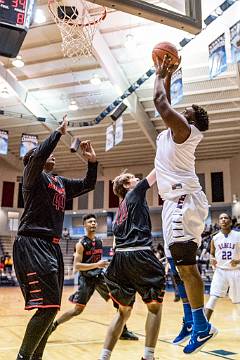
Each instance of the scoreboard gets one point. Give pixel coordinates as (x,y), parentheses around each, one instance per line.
(15,20)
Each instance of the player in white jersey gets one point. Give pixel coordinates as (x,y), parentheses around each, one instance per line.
(225,259)
(185,205)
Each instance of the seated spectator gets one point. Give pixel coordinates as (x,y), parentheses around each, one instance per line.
(8,264)
(65,233)
(1,268)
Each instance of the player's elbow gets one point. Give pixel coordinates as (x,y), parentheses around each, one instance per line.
(162,105)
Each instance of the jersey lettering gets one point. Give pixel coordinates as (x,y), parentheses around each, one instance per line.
(59,202)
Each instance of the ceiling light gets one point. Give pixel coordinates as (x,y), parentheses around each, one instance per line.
(4,93)
(95,80)
(39,17)
(18,62)
(73,106)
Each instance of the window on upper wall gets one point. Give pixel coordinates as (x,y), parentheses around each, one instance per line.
(8,194)
(201,178)
(83,202)
(217,186)
(113,200)
(20,197)
(98,195)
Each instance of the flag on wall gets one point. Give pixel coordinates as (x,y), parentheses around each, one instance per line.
(28,142)
(119,130)
(217,57)
(109,138)
(3,142)
(235,42)
(176,87)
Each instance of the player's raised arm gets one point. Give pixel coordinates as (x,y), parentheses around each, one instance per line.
(151,177)
(174,120)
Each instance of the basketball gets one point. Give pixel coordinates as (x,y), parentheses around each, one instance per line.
(165,48)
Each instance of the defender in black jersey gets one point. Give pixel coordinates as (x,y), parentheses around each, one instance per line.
(37,256)
(88,261)
(134,267)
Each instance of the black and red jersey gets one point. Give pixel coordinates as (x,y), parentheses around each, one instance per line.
(132,224)
(92,253)
(45,195)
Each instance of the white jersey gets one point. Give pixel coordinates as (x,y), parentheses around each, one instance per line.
(227,248)
(175,164)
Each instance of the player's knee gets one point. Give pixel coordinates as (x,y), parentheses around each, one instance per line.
(125,311)
(188,271)
(211,302)
(154,308)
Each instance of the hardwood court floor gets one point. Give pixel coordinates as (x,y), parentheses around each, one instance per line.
(82,337)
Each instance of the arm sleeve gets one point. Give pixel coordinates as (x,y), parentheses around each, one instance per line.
(141,188)
(39,157)
(77,187)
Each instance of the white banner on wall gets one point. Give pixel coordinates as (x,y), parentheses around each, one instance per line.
(109,138)
(235,42)
(28,142)
(217,57)
(176,87)
(119,130)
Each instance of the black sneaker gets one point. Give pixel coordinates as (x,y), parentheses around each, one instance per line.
(177,298)
(128,335)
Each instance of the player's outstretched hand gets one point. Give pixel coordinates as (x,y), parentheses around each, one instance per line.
(102,264)
(172,68)
(213,263)
(88,151)
(162,67)
(63,127)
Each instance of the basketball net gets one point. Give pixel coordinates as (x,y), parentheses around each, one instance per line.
(78,21)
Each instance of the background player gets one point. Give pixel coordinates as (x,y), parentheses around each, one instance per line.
(88,261)
(225,259)
(185,205)
(134,267)
(37,255)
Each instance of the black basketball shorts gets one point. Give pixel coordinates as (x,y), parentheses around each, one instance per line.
(135,271)
(39,269)
(86,288)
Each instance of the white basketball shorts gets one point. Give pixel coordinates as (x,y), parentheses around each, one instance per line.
(226,281)
(183,219)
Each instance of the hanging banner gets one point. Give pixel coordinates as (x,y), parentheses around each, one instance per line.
(109,138)
(28,142)
(217,57)
(176,87)
(235,42)
(118,130)
(3,142)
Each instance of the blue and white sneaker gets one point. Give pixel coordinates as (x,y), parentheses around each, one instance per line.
(184,334)
(199,339)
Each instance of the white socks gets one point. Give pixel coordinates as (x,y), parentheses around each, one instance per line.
(105,354)
(148,353)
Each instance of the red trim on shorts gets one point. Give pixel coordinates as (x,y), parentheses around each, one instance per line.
(118,301)
(33,282)
(75,303)
(33,273)
(41,306)
(36,299)
(35,291)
